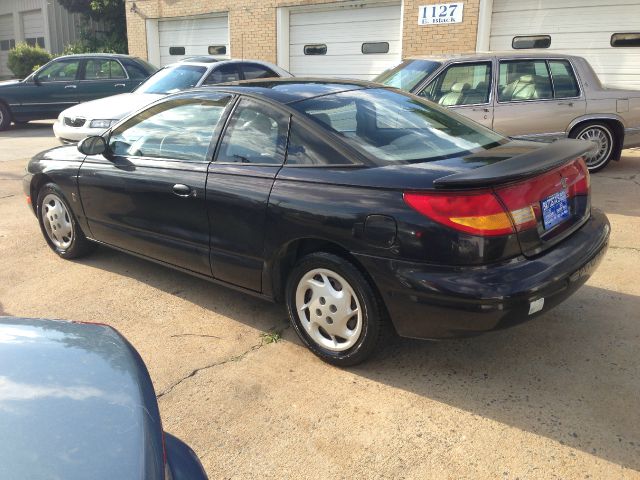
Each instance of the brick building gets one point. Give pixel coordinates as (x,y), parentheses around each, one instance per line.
(361,38)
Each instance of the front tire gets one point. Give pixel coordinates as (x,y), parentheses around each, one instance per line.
(334,309)
(604,138)
(5,117)
(58,224)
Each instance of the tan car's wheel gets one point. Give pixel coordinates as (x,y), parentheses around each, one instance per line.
(604,142)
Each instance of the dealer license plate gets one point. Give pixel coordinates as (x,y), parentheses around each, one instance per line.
(555,209)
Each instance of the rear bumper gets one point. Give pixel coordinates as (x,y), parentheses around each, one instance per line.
(426,301)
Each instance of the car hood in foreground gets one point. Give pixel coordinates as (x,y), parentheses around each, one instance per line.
(76,402)
(111,108)
(6,83)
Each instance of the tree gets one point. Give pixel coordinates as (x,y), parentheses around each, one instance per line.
(110,14)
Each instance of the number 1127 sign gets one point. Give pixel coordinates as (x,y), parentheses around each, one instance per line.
(440,13)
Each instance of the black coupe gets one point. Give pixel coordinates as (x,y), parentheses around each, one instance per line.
(354,203)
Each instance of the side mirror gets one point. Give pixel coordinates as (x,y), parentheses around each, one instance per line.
(94,145)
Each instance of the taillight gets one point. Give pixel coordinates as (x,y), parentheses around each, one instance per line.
(478,213)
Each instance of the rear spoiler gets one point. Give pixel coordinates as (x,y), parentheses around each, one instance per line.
(528,164)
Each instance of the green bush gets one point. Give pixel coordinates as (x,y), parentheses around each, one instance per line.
(24,59)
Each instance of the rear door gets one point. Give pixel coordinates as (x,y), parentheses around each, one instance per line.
(148,197)
(527,105)
(239,183)
(465,88)
(101,77)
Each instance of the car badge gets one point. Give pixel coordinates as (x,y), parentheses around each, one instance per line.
(563,182)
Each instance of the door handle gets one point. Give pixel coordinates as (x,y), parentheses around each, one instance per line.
(568,104)
(484,109)
(119,85)
(70,86)
(183,190)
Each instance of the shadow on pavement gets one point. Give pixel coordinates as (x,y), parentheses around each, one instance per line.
(39,129)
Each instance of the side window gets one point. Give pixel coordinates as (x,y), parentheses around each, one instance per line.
(252,71)
(223,73)
(565,84)
(521,80)
(103,69)
(256,134)
(62,71)
(341,117)
(136,72)
(461,84)
(179,129)
(306,148)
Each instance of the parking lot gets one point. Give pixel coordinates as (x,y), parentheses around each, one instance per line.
(553,398)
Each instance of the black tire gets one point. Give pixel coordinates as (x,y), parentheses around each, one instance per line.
(78,245)
(584,131)
(372,320)
(5,117)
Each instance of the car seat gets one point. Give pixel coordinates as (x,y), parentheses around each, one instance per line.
(523,88)
(455,95)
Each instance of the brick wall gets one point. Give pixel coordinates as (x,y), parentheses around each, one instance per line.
(253,25)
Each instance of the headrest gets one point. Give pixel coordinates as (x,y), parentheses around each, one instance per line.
(460,87)
(526,79)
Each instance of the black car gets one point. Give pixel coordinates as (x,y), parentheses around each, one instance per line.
(66,81)
(77,403)
(353,203)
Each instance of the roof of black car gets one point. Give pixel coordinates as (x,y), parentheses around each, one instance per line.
(290,90)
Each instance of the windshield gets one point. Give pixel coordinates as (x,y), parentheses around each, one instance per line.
(172,79)
(408,74)
(394,127)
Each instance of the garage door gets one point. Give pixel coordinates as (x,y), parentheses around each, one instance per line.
(354,41)
(33,27)
(7,42)
(185,37)
(580,27)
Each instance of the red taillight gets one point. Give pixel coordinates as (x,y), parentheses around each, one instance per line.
(478,213)
(503,210)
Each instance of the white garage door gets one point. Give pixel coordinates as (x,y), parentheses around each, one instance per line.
(354,41)
(7,41)
(185,37)
(33,27)
(579,27)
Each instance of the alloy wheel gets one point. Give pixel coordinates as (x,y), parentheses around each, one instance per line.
(57,221)
(329,309)
(604,144)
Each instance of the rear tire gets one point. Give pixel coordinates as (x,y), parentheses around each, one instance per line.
(334,309)
(58,224)
(5,117)
(607,143)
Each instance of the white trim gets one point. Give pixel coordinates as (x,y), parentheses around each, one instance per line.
(484,25)
(153,41)
(282,37)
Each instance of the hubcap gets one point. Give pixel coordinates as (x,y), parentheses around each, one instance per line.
(329,309)
(603,145)
(57,221)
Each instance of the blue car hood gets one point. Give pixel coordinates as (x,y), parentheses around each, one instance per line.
(76,402)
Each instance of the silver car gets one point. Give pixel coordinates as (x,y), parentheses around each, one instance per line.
(531,96)
(93,118)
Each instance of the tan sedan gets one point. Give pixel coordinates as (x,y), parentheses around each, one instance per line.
(531,96)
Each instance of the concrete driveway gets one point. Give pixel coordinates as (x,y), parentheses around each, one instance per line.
(553,398)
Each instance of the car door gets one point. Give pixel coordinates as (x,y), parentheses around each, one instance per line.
(465,88)
(528,107)
(225,72)
(102,77)
(148,196)
(54,89)
(250,154)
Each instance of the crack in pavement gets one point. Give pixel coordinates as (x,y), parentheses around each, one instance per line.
(615,247)
(8,196)
(234,358)
(193,335)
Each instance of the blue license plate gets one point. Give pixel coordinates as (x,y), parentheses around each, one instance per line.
(555,209)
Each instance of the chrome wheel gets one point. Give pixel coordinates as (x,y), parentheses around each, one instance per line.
(57,221)
(603,141)
(329,309)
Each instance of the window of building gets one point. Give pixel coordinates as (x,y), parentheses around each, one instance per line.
(217,50)
(532,41)
(35,41)
(315,49)
(625,40)
(375,47)
(7,45)
(177,50)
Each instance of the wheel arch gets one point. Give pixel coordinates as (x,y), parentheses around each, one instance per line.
(614,122)
(37,182)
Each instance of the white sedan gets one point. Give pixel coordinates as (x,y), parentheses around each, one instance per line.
(93,118)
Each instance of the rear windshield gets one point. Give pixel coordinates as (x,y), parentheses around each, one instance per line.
(393,127)
(172,79)
(408,74)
